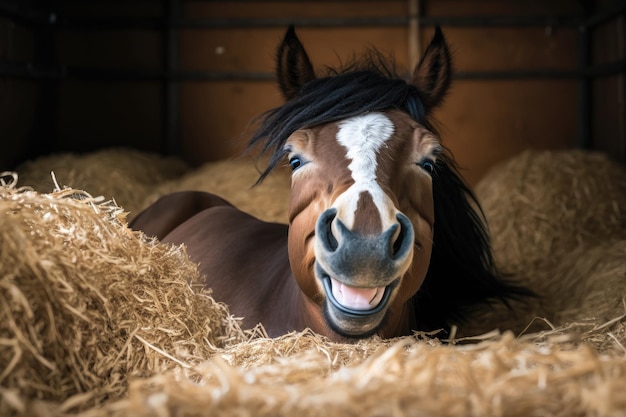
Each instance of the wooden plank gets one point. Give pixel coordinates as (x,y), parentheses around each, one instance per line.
(253,50)
(605,47)
(95,115)
(294,9)
(608,117)
(502,7)
(111,49)
(17,43)
(18,100)
(217,117)
(99,8)
(501,49)
(484,122)
(608,99)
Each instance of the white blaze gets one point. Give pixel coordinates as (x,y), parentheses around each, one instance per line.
(363,136)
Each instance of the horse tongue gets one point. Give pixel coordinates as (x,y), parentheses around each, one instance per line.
(357,298)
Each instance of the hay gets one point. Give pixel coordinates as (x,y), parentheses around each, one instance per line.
(235,181)
(86,304)
(98,321)
(542,205)
(136,179)
(127,175)
(558,225)
(309,376)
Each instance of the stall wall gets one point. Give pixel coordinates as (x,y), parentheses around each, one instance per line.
(114,92)
(18,97)
(609,91)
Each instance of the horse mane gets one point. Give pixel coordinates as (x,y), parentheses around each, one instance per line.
(362,85)
(462,271)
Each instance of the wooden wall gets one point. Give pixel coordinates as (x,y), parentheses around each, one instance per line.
(609,91)
(514,90)
(18,97)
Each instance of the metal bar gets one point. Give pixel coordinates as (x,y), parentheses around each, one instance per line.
(133,23)
(610,11)
(13,69)
(31,71)
(414,41)
(585,111)
(18,12)
(117,75)
(516,74)
(500,21)
(283,1)
(298,22)
(606,69)
(622,79)
(45,131)
(113,23)
(149,75)
(242,1)
(171,87)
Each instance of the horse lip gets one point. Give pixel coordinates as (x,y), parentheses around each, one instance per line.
(349,312)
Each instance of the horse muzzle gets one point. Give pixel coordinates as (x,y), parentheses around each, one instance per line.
(360,274)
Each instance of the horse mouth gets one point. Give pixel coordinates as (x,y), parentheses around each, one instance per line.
(356,302)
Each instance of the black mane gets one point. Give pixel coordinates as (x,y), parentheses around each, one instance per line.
(369,84)
(462,273)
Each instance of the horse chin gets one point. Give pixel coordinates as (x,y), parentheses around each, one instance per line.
(352,323)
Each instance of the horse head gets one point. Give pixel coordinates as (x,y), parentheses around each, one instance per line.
(365,209)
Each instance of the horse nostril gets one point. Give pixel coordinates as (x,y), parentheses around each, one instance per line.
(323,230)
(404,241)
(397,244)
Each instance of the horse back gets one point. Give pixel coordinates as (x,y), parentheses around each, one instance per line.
(172,210)
(244,260)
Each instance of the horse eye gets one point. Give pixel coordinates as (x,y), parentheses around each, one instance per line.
(427,165)
(295,163)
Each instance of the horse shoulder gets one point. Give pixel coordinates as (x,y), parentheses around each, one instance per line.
(244,261)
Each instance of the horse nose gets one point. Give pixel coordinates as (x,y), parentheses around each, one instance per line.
(394,244)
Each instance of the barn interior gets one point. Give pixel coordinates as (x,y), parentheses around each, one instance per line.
(131,99)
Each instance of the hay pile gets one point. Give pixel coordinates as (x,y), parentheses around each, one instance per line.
(126,175)
(97,320)
(136,179)
(86,304)
(235,181)
(304,375)
(542,206)
(558,224)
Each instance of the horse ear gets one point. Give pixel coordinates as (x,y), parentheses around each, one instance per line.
(293,66)
(433,74)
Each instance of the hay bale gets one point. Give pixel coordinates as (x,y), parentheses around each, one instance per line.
(234,180)
(542,205)
(124,174)
(86,304)
(136,179)
(558,225)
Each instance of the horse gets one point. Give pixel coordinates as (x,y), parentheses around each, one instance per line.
(383,238)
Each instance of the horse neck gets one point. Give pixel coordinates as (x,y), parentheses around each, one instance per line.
(293,310)
(310,315)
